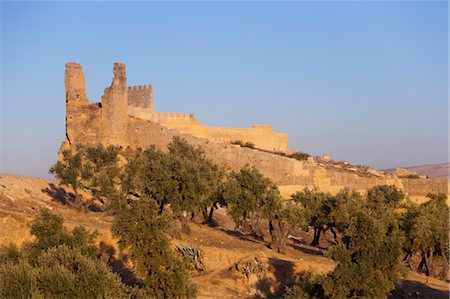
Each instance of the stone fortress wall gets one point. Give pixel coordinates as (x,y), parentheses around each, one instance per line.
(126,117)
(141,105)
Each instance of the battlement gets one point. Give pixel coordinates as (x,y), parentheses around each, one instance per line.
(139,87)
(141,96)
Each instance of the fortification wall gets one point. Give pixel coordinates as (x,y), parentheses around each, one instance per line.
(417,187)
(84,125)
(289,174)
(141,96)
(115,122)
(262,136)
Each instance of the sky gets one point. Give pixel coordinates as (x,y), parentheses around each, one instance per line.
(365,82)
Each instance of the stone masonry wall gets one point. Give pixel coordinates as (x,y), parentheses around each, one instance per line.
(289,174)
(262,136)
(114,122)
(141,96)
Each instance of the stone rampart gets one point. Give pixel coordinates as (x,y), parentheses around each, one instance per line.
(289,174)
(115,121)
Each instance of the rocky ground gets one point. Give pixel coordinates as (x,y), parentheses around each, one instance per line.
(225,252)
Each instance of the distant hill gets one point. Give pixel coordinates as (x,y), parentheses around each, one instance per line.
(431,170)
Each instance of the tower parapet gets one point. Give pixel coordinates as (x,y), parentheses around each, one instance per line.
(141,96)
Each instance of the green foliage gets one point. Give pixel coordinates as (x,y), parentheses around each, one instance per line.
(49,230)
(94,166)
(299,156)
(246,193)
(325,212)
(426,228)
(250,198)
(385,195)
(244,144)
(198,177)
(10,253)
(66,272)
(318,208)
(68,170)
(306,286)
(17,280)
(100,167)
(58,264)
(369,256)
(60,272)
(286,217)
(183,178)
(142,232)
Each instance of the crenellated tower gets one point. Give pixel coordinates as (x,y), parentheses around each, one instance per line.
(141,96)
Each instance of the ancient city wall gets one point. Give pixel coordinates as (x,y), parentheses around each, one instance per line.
(417,188)
(289,174)
(262,136)
(115,121)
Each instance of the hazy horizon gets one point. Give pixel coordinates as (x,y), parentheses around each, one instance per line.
(365,82)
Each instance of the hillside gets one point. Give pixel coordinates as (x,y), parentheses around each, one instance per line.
(222,246)
(432,171)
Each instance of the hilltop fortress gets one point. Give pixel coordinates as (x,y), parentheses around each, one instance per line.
(126,117)
(109,120)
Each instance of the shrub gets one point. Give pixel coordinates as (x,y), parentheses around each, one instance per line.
(17,280)
(426,229)
(142,231)
(58,264)
(49,230)
(244,144)
(95,166)
(299,156)
(369,258)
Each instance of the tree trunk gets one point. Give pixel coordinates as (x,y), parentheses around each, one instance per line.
(184,225)
(334,234)
(205,214)
(444,273)
(272,234)
(431,264)
(317,231)
(161,208)
(210,216)
(283,235)
(427,265)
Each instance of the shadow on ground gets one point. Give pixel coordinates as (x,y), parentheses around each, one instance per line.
(238,235)
(60,194)
(119,265)
(284,276)
(414,289)
(300,246)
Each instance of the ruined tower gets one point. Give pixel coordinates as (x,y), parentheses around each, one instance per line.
(76,100)
(115,108)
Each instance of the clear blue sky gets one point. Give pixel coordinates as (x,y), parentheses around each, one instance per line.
(366,82)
